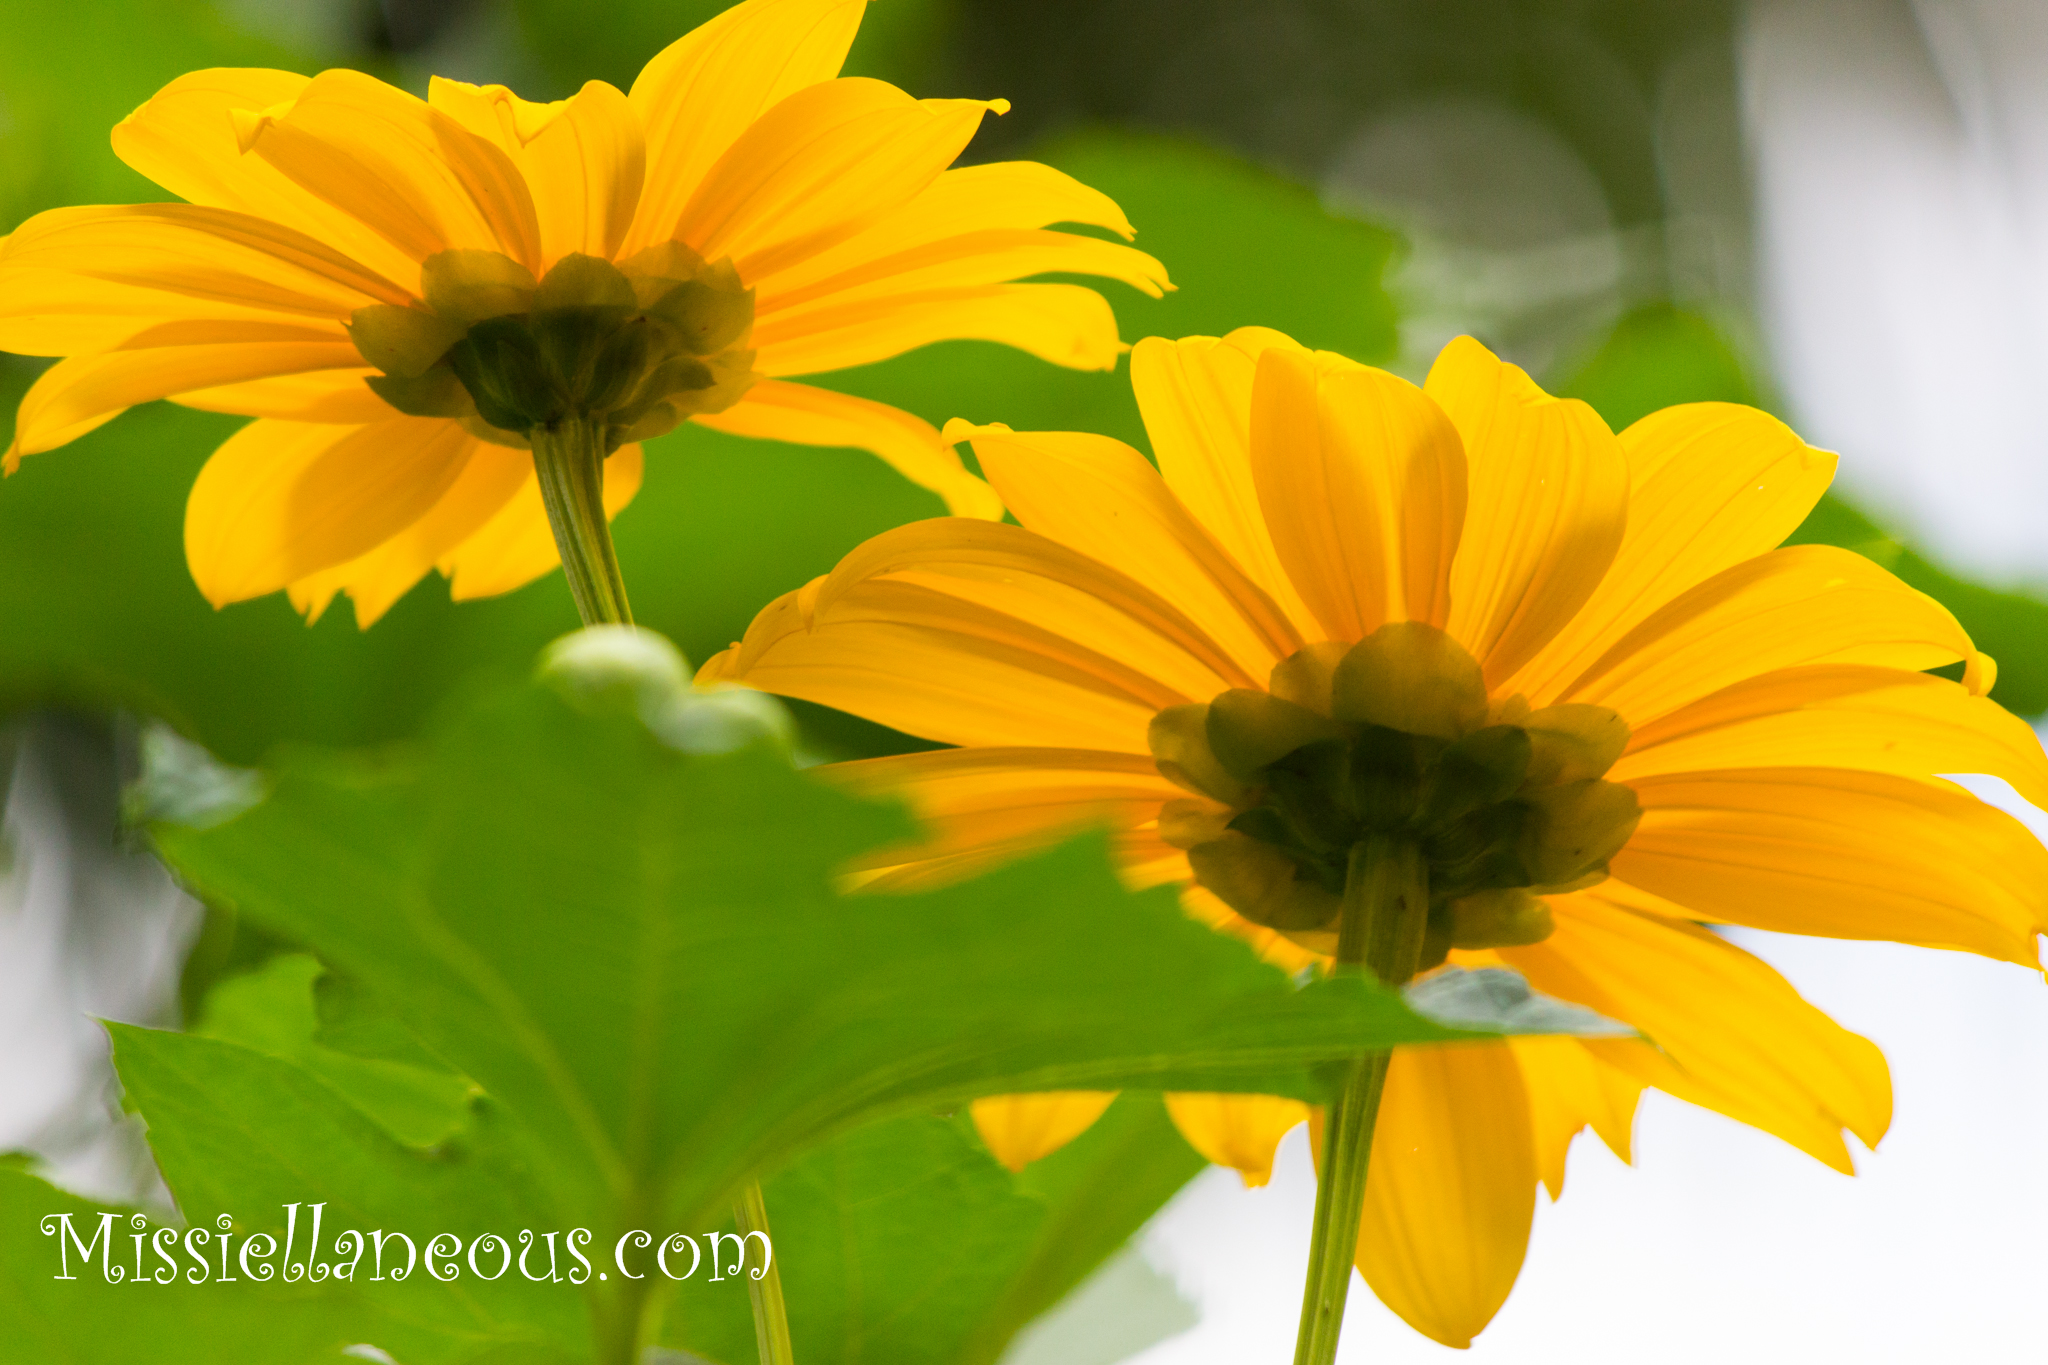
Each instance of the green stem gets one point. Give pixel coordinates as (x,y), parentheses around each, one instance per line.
(569,458)
(1386,910)
(771,1320)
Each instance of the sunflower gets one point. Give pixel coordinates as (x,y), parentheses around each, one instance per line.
(403,292)
(1572,675)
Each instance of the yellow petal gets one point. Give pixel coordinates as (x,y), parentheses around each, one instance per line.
(1019,1129)
(1843,716)
(1546,501)
(1843,855)
(516,545)
(1725,1030)
(968,260)
(1196,398)
(817,168)
(1802,605)
(1362,481)
(984,806)
(74,396)
(1064,324)
(339,396)
(375,581)
(80,279)
(703,90)
(407,171)
(933,665)
(583,159)
(1100,497)
(1072,599)
(1451,1188)
(184,139)
(776,411)
(1711,484)
(282,500)
(1570,1090)
(1238,1131)
(967,201)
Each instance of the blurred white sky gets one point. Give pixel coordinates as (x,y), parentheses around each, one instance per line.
(1900,150)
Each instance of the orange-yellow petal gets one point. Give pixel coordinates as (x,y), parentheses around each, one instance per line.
(825,163)
(1547,496)
(924,661)
(1571,1090)
(583,159)
(1801,605)
(1100,497)
(516,545)
(79,279)
(1711,484)
(983,806)
(1451,1188)
(375,581)
(965,202)
(282,500)
(1063,324)
(1724,1029)
(184,139)
(339,396)
(705,89)
(1841,854)
(1238,1131)
(1196,398)
(1019,1129)
(969,260)
(798,413)
(1843,716)
(1362,482)
(74,396)
(407,171)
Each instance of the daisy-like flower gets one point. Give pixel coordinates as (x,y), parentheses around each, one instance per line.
(1570,676)
(403,292)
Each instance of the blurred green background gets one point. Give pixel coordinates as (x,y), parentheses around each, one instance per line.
(1334,168)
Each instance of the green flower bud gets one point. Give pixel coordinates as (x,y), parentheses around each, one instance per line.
(1179,740)
(1577,827)
(1507,918)
(1259,882)
(1411,677)
(1574,742)
(1248,730)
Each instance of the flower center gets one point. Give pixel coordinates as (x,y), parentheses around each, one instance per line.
(635,347)
(1393,735)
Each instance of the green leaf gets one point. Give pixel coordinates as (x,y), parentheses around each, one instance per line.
(905,1241)
(638,956)
(271,1010)
(245,1135)
(1098,1191)
(893,1241)
(88,1320)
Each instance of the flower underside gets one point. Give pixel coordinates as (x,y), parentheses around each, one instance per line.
(1394,735)
(634,347)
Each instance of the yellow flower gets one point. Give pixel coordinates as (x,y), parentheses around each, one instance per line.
(739,217)
(1619,709)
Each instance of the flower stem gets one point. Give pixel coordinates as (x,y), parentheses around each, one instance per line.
(771,1320)
(569,458)
(1386,910)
